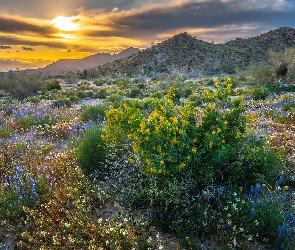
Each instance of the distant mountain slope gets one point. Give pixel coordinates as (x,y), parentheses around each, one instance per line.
(184,54)
(67,65)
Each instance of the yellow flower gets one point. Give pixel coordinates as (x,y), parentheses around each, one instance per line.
(216,82)
(211,106)
(195,140)
(130,159)
(146,160)
(211,144)
(229,85)
(174,141)
(207,91)
(147,131)
(182,165)
(194,150)
(185,101)
(225,122)
(189,157)
(222,141)
(213,132)
(239,133)
(162,162)
(174,120)
(135,148)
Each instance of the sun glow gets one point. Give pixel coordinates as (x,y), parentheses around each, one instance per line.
(65,23)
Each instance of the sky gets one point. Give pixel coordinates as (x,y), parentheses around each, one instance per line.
(34,33)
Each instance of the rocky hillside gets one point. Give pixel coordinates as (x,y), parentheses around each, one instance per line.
(184,54)
(66,65)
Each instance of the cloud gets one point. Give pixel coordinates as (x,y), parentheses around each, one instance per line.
(15,24)
(27,49)
(158,18)
(5,47)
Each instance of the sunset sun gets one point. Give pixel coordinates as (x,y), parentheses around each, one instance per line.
(65,23)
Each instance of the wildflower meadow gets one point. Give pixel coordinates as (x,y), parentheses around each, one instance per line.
(170,163)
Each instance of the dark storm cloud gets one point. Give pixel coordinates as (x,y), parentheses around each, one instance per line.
(209,14)
(27,49)
(12,25)
(18,41)
(5,47)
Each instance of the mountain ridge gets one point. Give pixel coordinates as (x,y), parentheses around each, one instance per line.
(184,54)
(63,66)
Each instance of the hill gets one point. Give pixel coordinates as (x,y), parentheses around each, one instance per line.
(184,54)
(66,65)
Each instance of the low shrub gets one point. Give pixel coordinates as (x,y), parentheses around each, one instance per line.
(91,152)
(94,113)
(54,84)
(21,85)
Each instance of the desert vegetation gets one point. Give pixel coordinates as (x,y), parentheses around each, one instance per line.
(161,163)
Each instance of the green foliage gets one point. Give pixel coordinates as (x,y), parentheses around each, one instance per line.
(260,74)
(91,152)
(101,94)
(135,92)
(53,84)
(5,132)
(62,102)
(98,82)
(94,113)
(259,93)
(21,85)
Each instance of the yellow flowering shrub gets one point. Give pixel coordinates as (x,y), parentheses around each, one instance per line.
(173,138)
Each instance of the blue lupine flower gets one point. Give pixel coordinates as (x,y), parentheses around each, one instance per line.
(258,188)
(252,213)
(282,228)
(292,223)
(252,190)
(280,181)
(288,215)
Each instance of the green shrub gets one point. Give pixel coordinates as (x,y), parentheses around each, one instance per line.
(135,92)
(260,74)
(32,99)
(62,102)
(258,93)
(98,82)
(5,132)
(91,152)
(115,98)
(101,94)
(92,113)
(21,85)
(54,84)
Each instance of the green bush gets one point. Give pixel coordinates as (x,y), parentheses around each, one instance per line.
(98,82)
(135,92)
(21,85)
(91,152)
(92,113)
(260,74)
(54,84)
(101,94)
(62,102)
(259,93)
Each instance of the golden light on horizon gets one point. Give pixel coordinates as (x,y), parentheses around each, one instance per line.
(65,23)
